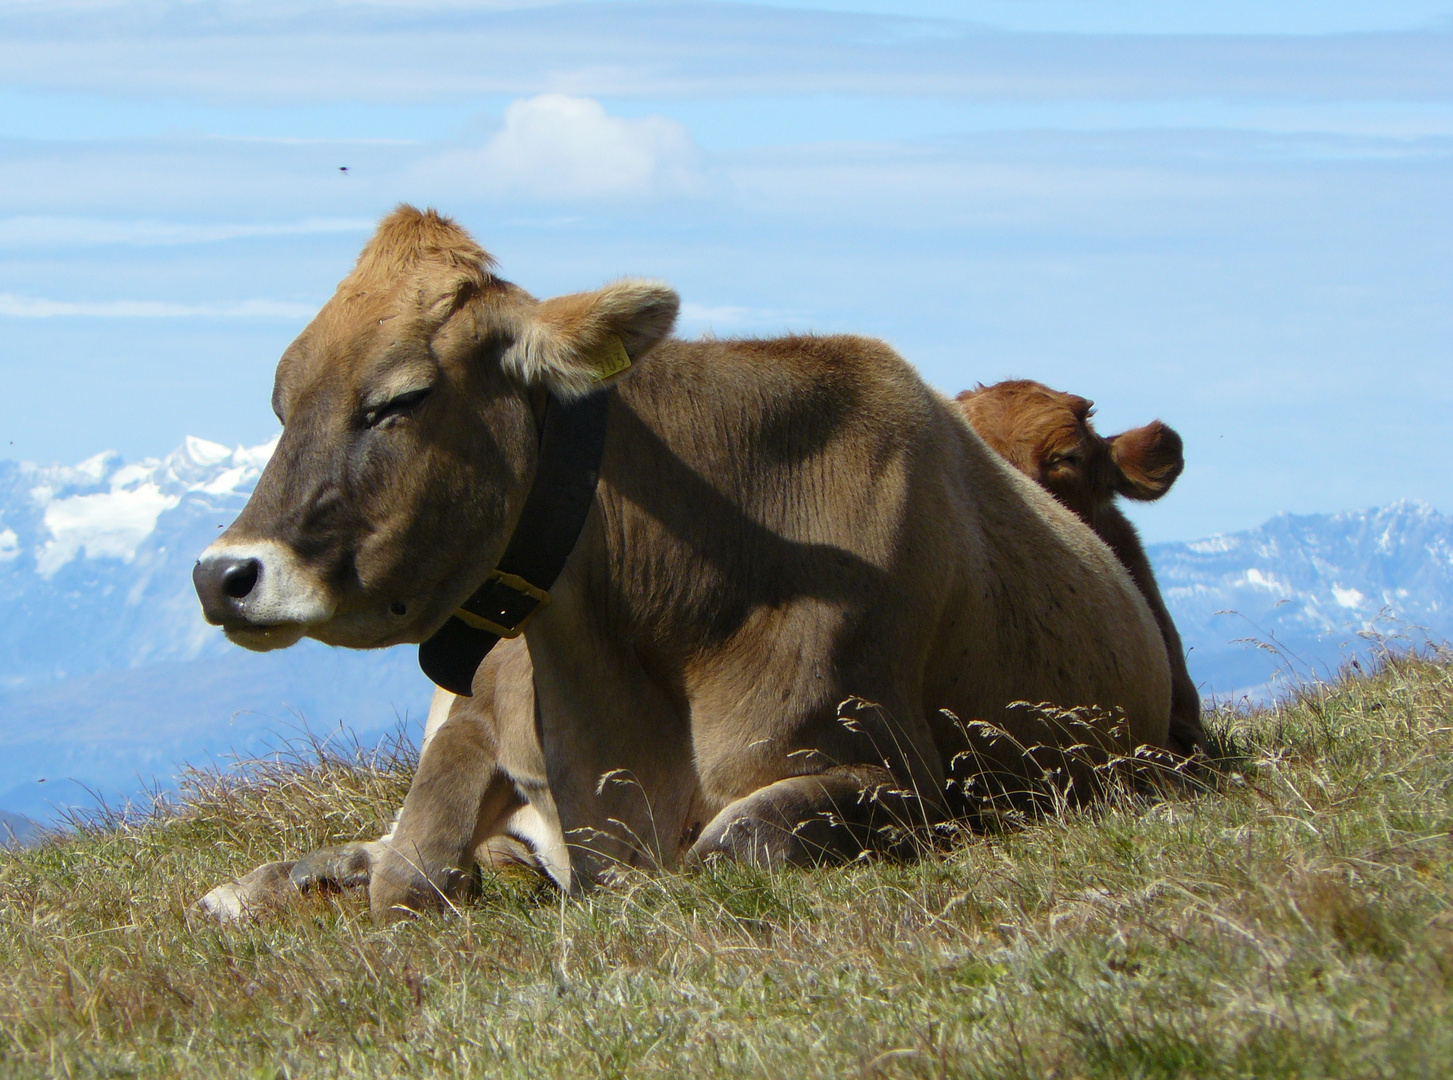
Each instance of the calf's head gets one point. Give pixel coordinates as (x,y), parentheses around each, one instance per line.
(410,408)
(1047,436)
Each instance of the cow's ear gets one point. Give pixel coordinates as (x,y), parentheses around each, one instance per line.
(573,344)
(1149,458)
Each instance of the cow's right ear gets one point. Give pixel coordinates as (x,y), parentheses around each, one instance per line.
(1149,459)
(573,344)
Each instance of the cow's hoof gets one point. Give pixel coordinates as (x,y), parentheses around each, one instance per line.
(397,891)
(246,897)
(402,887)
(342,867)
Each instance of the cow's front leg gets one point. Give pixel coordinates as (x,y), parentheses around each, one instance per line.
(273,884)
(459,799)
(616,753)
(347,865)
(829,817)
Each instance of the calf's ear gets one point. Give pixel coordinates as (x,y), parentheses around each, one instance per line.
(573,344)
(1149,459)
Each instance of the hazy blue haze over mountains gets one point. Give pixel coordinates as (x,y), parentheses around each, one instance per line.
(109,676)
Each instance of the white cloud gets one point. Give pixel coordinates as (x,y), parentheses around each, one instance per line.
(721,313)
(1348,598)
(554,147)
(29,307)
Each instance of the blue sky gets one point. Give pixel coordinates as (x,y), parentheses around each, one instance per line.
(1233,216)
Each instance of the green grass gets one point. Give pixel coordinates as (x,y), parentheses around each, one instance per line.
(1297,921)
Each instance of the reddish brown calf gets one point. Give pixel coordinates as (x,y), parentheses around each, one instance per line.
(1046,435)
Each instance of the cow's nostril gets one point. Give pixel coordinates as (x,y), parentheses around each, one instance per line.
(239,578)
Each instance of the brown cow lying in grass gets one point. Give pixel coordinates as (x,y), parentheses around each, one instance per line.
(779,526)
(1046,435)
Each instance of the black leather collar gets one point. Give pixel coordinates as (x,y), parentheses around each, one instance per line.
(572,438)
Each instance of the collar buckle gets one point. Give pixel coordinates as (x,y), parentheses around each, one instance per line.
(502,605)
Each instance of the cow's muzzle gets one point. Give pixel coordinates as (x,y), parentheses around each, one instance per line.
(260,593)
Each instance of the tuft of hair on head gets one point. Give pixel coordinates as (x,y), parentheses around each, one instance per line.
(1016,396)
(1150,458)
(1018,417)
(408,238)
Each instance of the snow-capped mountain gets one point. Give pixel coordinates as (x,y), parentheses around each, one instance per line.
(109,676)
(97,558)
(1302,594)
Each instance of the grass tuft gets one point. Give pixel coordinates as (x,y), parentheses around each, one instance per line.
(1285,911)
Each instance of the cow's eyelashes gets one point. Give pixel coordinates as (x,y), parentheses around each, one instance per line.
(395,407)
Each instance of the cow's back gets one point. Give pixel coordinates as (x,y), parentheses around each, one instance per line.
(826,467)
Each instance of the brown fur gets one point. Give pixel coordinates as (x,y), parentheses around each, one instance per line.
(1047,435)
(780,525)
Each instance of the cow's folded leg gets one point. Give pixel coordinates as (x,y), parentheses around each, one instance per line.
(272,884)
(459,798)
(242,898)
(341,867)
(827,817)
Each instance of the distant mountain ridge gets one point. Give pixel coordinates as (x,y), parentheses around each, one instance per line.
(97,558)
(17,830)
(109,676)
(1316,589)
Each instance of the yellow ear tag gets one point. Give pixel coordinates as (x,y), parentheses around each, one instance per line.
(613,360)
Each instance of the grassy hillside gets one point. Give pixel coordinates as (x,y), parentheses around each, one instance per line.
(1296,922)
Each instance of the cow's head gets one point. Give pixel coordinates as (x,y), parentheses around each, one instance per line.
(410,408)
(1047,436)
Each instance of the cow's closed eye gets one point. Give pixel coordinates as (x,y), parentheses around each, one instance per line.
(400,405)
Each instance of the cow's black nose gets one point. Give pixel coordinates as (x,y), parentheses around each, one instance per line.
(239,578)
(222,584)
